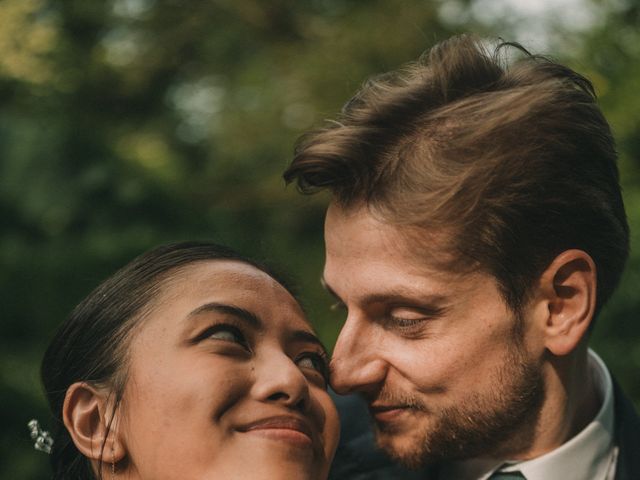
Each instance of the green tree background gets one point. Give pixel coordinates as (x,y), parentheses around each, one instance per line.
(129,123)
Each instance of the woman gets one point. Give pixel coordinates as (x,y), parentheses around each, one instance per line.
(189,363)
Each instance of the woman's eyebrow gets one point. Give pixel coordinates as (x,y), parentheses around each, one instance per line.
(249,317)
(254,321)
(306,337)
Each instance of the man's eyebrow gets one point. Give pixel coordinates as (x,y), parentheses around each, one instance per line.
(431,301)
(306,337)
(251,318)
(404,297)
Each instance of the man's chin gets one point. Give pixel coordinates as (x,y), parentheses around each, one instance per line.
(419,443)
(403,443)
(402,449)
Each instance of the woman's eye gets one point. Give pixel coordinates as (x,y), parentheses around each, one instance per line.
(224,332)
(314,361)
(308,362)
(225,335)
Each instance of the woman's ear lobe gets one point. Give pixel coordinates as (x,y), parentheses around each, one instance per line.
(570,283)
(86,416)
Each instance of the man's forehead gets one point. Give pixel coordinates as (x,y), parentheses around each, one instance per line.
(360,230)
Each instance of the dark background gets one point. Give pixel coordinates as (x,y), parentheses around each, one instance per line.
(128,123)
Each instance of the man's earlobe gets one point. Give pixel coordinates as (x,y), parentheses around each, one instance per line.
(569,284)
(87,413)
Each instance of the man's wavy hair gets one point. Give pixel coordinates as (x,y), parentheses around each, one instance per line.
(514,160)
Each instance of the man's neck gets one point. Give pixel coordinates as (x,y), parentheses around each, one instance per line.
(583,426)
(572,400)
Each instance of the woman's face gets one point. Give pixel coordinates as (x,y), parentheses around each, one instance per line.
(226,380)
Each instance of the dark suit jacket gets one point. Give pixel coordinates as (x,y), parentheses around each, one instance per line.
(358,458)
(627,436)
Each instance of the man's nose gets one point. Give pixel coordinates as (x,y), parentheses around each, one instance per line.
(356,365)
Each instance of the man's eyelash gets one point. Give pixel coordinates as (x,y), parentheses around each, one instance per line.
(406,322)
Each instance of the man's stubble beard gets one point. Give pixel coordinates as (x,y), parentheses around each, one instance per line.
(499,422)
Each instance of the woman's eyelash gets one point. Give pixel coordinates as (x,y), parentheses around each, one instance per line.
(221,328)
(321,360)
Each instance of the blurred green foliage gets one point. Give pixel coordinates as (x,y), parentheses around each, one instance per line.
(128,123)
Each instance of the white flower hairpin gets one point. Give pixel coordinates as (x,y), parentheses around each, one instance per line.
(43,440)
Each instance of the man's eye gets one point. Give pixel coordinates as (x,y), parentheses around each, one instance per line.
(314,361)
(411,317)
(406,323)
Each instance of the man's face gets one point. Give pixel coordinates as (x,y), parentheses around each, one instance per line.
(439,357)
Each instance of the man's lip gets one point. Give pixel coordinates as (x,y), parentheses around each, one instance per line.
(387,413)
(280,422)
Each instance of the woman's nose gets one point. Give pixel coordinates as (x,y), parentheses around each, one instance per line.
(278,379)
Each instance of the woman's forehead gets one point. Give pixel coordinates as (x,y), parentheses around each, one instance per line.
(224,273)
(232,281)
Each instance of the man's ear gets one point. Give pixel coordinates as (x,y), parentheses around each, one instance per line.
(569,287)
(87,413)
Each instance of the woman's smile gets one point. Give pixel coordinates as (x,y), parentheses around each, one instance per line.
(286,428)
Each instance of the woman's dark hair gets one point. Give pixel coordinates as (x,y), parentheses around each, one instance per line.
(91,345)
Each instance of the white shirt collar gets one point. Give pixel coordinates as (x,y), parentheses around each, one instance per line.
(590,454)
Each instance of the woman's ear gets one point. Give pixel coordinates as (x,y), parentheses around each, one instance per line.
(87,413)
(569,287)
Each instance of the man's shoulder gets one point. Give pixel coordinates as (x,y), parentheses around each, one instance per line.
(358,457)
(627,436)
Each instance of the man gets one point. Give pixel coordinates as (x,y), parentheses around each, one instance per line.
(475,232)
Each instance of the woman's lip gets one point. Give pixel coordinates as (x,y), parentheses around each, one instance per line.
(282,427)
